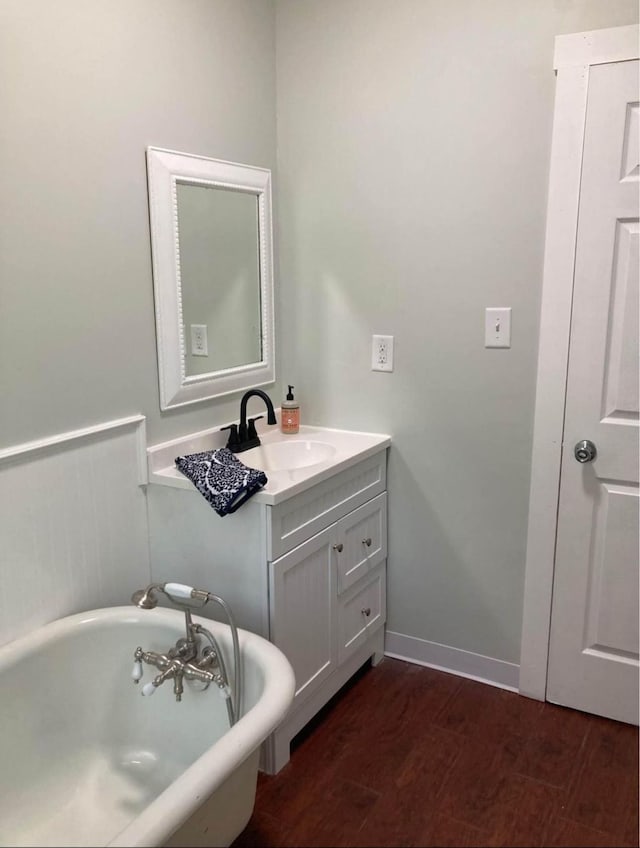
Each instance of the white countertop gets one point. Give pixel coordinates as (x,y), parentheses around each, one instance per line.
(350,448)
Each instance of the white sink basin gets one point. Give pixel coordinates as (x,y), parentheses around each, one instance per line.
(292,463)
(287,455)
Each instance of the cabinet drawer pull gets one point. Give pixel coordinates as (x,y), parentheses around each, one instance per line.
(338,547)
(367,542)
(366,611)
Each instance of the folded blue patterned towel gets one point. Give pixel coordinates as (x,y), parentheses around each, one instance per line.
(220,476)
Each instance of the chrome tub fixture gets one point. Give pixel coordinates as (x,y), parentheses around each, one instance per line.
(189,659)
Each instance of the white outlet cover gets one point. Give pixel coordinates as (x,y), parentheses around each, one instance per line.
(199,341)
(382,353)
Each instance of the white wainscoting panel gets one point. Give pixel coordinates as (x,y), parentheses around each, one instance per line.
(73,524)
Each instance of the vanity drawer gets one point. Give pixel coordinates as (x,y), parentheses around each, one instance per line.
(361,612)
(302,516)
(362,542)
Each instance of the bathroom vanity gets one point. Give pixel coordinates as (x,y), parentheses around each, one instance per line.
(302,563)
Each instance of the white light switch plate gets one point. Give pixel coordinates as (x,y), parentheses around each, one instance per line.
(497,326)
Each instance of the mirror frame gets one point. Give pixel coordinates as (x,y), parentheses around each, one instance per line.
(165,169)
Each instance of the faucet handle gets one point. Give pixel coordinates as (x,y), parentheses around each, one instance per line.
(251,432)
(233,440)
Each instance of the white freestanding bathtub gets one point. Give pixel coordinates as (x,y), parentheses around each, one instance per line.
(85,760)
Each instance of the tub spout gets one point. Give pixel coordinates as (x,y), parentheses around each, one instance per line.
(178,688)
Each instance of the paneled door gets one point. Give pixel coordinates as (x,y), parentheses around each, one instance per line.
(593,649)
(302,611)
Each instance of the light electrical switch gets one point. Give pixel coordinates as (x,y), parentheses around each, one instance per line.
(497,326)
(199,344)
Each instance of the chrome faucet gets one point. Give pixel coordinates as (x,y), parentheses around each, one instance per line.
(242,437)
(186,660)
(174,667)
(181,661)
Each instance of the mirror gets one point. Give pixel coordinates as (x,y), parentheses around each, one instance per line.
(211,243)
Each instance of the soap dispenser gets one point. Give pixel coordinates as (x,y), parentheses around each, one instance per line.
(290,414)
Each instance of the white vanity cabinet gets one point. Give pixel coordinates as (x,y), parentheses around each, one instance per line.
(327,610)
(314,619)
(306,571)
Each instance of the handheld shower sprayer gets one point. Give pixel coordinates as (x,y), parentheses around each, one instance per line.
(147,598)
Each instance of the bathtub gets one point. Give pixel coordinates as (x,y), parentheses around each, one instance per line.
(85,760)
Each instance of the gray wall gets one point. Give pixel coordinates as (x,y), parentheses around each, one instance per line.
(413,147)
(84,88)
(414,141)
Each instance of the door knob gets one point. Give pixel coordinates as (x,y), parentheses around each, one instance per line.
(585,451)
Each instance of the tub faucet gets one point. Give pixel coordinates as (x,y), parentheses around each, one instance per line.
(244,436)
(186,660)
(174,667)
(180,662)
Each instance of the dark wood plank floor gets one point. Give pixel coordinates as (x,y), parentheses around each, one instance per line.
(409,756)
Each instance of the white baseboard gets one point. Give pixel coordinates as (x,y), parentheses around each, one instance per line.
(498,673)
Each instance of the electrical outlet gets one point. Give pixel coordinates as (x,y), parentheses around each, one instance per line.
(382,353)
(199,343)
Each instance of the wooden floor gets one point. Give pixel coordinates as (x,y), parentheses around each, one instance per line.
(414,757)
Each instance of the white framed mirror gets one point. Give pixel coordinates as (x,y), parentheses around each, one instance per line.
(212,253)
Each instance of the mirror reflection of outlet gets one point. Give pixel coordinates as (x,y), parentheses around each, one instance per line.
(199,343)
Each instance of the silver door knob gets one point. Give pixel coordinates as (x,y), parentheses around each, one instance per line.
(585,451)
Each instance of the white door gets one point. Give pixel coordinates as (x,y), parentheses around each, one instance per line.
(593,650)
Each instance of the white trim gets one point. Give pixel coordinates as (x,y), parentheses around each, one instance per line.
(574,53)
(616,44)
(49,443)
(141,452)
(498,673)
(553,354)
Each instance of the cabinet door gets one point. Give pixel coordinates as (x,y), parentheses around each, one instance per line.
(363,536)
(361,612)
(302,610)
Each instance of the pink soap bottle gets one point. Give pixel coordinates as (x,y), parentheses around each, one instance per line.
(290,414)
